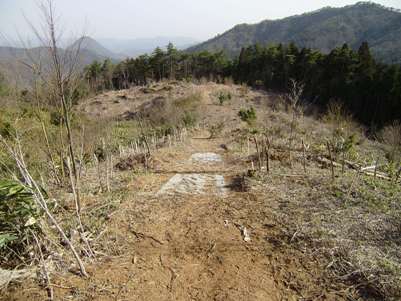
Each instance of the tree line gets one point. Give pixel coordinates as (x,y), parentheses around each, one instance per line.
(371,91)
(161,64)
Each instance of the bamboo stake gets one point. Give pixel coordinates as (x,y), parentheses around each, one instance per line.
(78,210)
(304,155)
(98,171)
(343,163)
(257,151)
(49,153)
(267,157)
(331,160)
(376,165)
(107,174)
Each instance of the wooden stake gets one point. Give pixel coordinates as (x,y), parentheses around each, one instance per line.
(304,155)
(267,158)
(331,160)
(343,163)
(49,152)
(376,165)
(257,151)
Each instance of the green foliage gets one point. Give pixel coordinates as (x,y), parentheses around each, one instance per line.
(189,119)
(56,118)
(248,115)
(79,93)
(223,97)
(324,30)
(343,143)
(371,92)
(18,214)
(6,129)
(354,77)
(161,64)
(216,129)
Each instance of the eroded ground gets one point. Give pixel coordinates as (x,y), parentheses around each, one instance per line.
(189,245)
(195,227)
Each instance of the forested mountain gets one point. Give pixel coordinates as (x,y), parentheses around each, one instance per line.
(324,30)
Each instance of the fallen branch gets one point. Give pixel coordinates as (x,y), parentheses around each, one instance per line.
(355,166)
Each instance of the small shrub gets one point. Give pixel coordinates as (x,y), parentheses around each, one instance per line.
(56,118)
(223,97)
(79,93)
(247,115)
(189,119)
(6,129)
(18,216)
(344,136)
(391,136)
(216,129)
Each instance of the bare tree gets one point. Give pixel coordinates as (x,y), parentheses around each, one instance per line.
(60,73)
(294,97)
(58,70)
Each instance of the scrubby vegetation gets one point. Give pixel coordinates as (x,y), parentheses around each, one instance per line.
(370,91)
(73,151)
(247,115)
(223,97)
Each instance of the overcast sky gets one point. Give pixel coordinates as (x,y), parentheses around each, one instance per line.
(198,19)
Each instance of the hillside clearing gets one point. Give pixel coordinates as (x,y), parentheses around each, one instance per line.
(315,232)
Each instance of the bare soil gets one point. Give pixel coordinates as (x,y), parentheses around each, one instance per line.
(190,247)
(311,237)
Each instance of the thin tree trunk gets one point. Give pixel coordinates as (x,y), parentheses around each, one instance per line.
(304,155)
(257,151)
(49,153)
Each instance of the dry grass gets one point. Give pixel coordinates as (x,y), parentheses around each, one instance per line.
(350,226)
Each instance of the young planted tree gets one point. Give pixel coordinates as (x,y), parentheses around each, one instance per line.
(63,75)
(294,97)
(58,71)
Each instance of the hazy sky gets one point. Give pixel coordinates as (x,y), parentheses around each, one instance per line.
(199,19)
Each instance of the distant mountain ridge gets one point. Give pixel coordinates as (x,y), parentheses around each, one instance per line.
(90,44)
(13,60)
(135,47)
(323,29)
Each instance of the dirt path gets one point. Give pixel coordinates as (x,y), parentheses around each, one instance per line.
(184,240)
(191,247)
